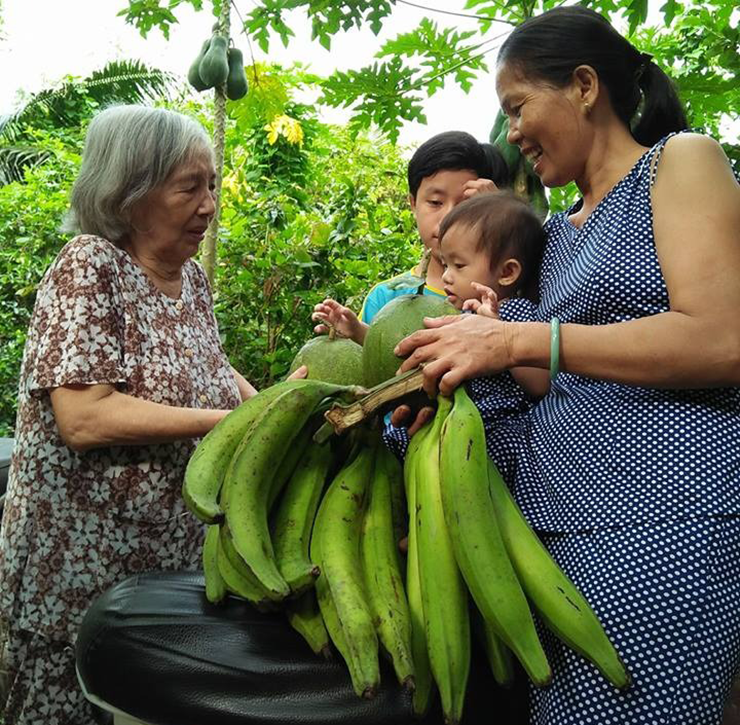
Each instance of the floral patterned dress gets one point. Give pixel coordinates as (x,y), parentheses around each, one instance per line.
(75,523)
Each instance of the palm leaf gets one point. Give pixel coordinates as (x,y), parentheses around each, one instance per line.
(71,105)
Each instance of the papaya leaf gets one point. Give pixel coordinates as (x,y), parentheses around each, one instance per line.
(147,14)
(381,95)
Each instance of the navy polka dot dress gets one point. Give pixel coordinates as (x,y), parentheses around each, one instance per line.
(636,492)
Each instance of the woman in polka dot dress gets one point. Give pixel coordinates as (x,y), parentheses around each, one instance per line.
(630,466)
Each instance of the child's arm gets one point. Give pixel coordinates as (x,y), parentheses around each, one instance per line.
(341,318)
(534,381)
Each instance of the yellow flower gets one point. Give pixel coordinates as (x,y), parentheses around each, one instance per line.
(285,126)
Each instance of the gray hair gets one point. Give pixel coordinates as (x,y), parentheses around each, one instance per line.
(129,151)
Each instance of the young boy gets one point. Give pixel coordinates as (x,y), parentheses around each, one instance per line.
(444,171)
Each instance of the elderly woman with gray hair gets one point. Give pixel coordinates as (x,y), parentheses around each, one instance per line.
(123,369)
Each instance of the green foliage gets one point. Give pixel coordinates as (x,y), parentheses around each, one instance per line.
(30,216)
(300,222)
(320,211)
(148,14)
(382,94)
(68,107)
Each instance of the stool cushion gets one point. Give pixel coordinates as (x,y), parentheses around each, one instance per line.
(155,648)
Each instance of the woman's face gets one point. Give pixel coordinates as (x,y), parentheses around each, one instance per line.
(548,125)
(173,218)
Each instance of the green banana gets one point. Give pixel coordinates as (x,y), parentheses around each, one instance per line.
(293,520)
(207,466)
(288,465)
(559,603)
(498,654)
(443,590)
(423,674)
(382,570)
(237,576)
(304,616)
(476,539)
(327,607)
(249,477)
(215,586)
(337,533)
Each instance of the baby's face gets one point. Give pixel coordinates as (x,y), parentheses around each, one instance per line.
(464,264)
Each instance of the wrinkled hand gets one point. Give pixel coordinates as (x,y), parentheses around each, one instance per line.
(486,305)
(457,348)
(330,312)
(478,186)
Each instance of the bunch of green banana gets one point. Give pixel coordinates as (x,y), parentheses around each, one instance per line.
(248,482)
(342,596)
(420,655)
(555,598)
(382,568)
(327,555)
(476,540)
(443,592)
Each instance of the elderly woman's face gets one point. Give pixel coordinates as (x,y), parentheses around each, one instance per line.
(174,217)
(546,124)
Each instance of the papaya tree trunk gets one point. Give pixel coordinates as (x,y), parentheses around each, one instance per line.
(209,256)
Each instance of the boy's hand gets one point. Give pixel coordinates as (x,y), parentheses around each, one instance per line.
(487,305)
(478,186)
(341,318)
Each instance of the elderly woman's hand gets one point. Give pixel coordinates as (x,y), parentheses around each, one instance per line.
(457,348)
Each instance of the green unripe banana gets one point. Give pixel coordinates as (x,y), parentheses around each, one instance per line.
(249,478)
(215,585)
(337,536)
(559,603)
(304,616)
(382,570)
(293,521)
(479,548)
(423,674)
(207,465)
(443,589)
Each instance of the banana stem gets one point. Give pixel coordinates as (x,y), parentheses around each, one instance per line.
(339,418)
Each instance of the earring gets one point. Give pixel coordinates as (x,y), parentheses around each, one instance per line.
(587,107)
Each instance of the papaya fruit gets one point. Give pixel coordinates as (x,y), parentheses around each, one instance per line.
(236,81)
(214,66)
(398,319)
(194,73)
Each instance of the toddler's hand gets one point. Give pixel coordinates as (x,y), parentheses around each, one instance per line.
(487,305)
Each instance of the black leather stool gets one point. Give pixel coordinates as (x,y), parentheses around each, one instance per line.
(153,650)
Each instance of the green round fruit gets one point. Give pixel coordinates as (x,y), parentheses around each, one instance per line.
(398,319)
(336,360)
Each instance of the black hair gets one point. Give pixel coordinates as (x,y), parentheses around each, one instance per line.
(507,227)
(551,46)
(456,150)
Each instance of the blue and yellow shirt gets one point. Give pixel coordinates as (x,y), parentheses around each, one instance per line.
(380,295)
